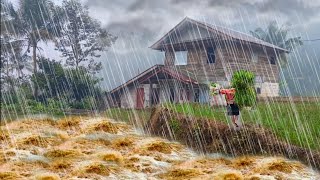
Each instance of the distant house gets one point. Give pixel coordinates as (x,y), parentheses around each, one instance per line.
(197,53)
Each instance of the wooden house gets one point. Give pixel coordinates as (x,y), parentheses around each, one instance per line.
(208,53)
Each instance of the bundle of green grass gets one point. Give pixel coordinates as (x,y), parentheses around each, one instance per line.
(243,82)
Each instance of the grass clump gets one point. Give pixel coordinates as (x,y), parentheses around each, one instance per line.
(47,176)
(113,157)
(61,153)
(35,140)
(67,122)
(105,126)
(97,168)
(281,166)
(229,176)
(243,82)
(9,175)
(122,143)
(60,164)
(180,174)
(215,161)
(175,126)
(243,162)
(4,135)
(160,146)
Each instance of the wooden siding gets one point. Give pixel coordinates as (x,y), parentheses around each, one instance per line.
(230,57)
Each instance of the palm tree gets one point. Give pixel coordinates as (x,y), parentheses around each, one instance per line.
(33,22)
(278,36)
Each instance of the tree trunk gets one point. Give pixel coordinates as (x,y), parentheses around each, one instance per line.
(34,58)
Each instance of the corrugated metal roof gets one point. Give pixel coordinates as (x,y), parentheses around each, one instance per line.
(152,71)
(235,35)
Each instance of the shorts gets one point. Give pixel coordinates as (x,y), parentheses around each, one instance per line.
(233,109)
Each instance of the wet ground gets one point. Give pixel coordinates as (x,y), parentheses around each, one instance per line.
(100,148)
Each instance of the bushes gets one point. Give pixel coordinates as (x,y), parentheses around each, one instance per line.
(243,82)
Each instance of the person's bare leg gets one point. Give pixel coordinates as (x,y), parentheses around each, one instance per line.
(234,118)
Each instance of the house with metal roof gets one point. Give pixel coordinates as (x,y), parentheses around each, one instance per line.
(197,53)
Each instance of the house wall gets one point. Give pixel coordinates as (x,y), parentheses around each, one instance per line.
(231,58)
(128,97)
(269,89)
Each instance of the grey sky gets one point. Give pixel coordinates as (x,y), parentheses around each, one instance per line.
(139,23)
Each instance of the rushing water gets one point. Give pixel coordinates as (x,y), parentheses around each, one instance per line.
(99,148)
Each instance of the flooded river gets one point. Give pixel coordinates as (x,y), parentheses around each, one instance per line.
(100,148)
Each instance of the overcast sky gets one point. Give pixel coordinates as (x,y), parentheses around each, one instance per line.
(139,23)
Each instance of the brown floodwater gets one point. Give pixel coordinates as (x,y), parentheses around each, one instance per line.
(100,148)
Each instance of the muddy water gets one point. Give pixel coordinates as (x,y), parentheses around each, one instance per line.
(99,148)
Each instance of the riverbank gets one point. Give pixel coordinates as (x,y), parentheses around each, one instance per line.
(209,135)
(100,148)
(296,123)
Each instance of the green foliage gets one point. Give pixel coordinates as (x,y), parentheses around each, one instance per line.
(82,37)
(35,107)
(175,126)
(58,82)
(243,82)
(130,116)
(56,107)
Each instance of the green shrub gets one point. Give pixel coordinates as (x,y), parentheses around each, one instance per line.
(175,125)
(56,107)
(243,82)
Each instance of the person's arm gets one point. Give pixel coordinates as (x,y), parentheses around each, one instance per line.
(223,91)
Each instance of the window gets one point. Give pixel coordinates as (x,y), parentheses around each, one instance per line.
(258,90)
(258,79)
(254,57)
(181,57)
(272,60)
(211,55)
(171,97)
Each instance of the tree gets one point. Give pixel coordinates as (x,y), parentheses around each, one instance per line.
(34,22)
(82,37)
(12,58)
(57,82)
(278,36)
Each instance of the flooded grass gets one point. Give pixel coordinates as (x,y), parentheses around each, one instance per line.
(35,140)
(97,168)
(281,166)
(9,175)
(122,143)
(62,153)
(125,155)
(160,146)
(180,174)
(104,126)
(112,157)
(47,176)
(243,162)
(229,176)
(67,122)
(61,164)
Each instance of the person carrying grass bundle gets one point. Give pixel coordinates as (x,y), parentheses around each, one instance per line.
(232,108)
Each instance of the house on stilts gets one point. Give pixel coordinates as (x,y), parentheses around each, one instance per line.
(212,54)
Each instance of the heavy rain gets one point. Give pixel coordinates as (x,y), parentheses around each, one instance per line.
(172,89)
